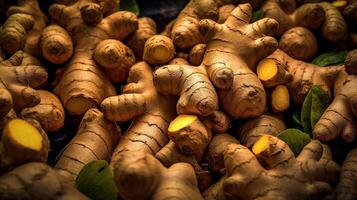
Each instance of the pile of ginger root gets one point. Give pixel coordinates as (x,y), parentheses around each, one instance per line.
(193,110)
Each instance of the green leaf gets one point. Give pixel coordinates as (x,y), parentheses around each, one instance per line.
(326,59)
(257,15)
(295,138)
(313,107)
(129,5)
(96,181)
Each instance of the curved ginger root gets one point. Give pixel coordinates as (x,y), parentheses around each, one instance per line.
(196,54)
(310,174)
(139,175)
(334,27)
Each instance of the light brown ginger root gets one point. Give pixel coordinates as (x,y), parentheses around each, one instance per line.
(218,121)
(282,176)
(185,32)
(340,117)
(299,43)
(251,131)
(49,112)
(286,12)
(196,54)
(272,73)
(230,62)
(224,12)
(346,189)
(22,142)
(151,111)
(95,140)
(83,85)
(56,44)
(334,28)
(19,75)
(158,50)
(116,58)
(18,33)
(215,150)
(280,99)
(146,29)
(36,181)
(139,175)
(305,75)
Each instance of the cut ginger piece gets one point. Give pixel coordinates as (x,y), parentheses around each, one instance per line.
(266,69)
(272,73)
(280,99)
(181,122)
(261,145)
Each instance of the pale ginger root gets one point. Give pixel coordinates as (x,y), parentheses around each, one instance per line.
(18,34)
(139,175)
(158,50)
(309,15)
(251,131)
(196,54)
(215,150)
(230,62)
(56,44)
(185,30)
(19,75)
(116,58)
(334,27)
(299,43)
(340,117)
(282,176)
(305,75)
(224,12)
(346,188)
(280,99)
(83,85)
(95,140)
(272,73)
(49,112)
(151,111)
(22,142)
(36,181)
(146,29)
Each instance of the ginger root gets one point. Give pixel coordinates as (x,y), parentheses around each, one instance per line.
(158,50)
(334,28)
(273,73)
(95,140)
(310,175)
(280,99)
(139,175)
(49,112)
(36,181)
(224,12)
(196,54)
(299,43)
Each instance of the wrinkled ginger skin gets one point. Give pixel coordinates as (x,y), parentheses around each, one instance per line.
(152,113)
(152,180)
(196,54)
(334,27)
(311,174)
(95,140)
(230,62)
(40,181)
(83,85)
(224,12)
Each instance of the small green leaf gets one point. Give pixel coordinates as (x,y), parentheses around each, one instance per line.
(295,138)
(96,181)
(257,15)
(326,59)
(313,107)
(129,5)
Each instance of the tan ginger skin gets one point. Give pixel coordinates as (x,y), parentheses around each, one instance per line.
(41,182)
(83,85)
(19,75)
(311,174)
(95,140)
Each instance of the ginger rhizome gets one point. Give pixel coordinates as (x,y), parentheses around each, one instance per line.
(196,54)
(280,99)
(224,12)
(83,85)
(95,140)
(310,175)
(139,175)
(19,75)
(49,112)
(152,113)
(36,181)
(158,50)
(22,142)
(299,43)
(230,62)
(23,28)
(334,28)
